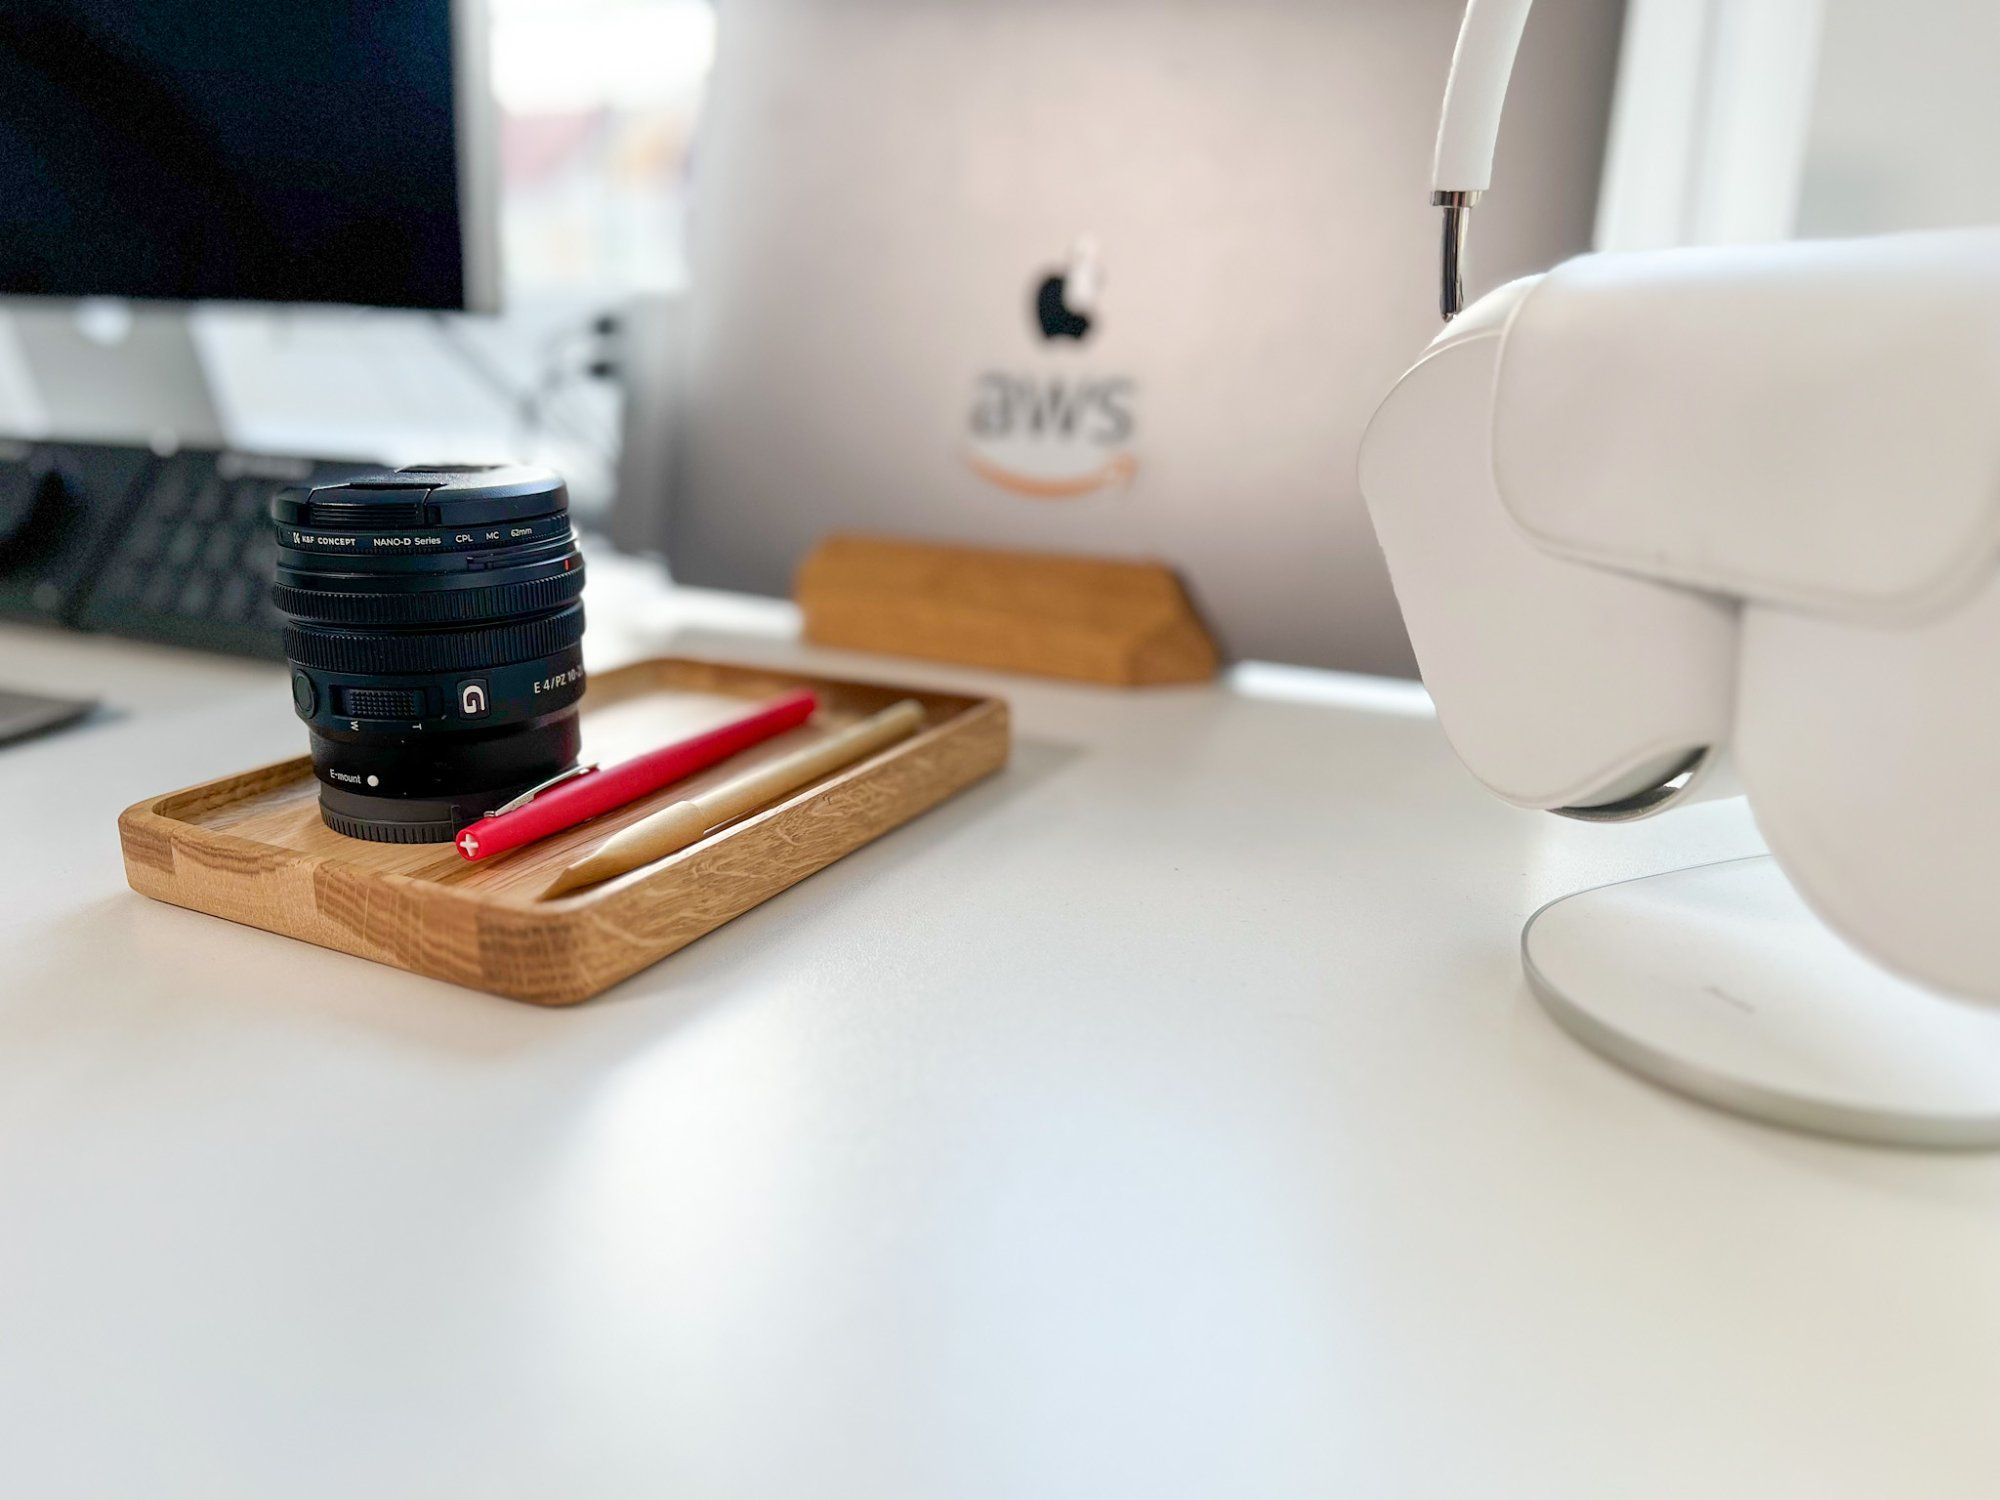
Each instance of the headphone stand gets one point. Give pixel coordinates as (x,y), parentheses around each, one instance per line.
(1717,982)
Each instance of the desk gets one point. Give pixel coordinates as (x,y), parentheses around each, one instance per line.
(1166,1117)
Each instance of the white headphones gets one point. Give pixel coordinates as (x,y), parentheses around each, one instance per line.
(1648,514)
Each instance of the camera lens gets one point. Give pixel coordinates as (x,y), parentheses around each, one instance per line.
(434,623)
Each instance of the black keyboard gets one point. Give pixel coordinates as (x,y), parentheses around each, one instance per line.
(176,548)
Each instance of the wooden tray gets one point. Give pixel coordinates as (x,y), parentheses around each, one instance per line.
(252,848)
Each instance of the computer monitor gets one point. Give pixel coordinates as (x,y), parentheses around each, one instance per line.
(176,151)
(311,151)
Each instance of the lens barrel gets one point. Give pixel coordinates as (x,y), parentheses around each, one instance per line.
(434,623)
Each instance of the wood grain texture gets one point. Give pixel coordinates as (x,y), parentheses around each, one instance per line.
(1127,624)
(251,848)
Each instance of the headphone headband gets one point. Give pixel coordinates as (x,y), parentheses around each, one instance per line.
(1469,127)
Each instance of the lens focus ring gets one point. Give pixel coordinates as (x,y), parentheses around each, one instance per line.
(444,651)
(431,607)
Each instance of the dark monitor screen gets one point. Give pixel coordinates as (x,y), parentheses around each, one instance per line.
(266,150)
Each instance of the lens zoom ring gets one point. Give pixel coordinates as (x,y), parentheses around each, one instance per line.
(430,606)
(448,651)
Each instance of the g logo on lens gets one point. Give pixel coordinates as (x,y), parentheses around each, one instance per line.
(427,612)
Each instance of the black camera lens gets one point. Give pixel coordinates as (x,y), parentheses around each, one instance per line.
(434,623)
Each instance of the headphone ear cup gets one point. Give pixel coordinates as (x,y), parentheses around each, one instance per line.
(1871,754)
(1560,685)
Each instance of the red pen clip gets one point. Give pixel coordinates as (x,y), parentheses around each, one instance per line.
(535,791)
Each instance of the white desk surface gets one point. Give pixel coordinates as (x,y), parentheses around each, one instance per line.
(1166,1117)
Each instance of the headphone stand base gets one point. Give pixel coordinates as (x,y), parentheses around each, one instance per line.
(1717,982)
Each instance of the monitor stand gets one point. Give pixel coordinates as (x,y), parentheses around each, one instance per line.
(117,372)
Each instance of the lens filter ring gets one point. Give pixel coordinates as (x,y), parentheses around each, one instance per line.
(324,650)
(437,606)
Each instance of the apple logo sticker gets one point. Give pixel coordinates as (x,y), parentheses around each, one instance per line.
(1066,298)
(1053,312)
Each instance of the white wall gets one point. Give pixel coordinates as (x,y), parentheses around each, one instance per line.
(1708,136)
(1905,127)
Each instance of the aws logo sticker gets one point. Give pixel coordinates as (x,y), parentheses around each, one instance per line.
(1066,432)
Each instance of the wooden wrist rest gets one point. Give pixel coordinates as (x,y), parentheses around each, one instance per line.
(1126,624)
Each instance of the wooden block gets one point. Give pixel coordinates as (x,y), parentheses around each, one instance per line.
(252,848)
(1097,620)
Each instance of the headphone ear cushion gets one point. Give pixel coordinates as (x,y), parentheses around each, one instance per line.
(1561,685)
(1872,758)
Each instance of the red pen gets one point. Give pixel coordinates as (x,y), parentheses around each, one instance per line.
(585,791)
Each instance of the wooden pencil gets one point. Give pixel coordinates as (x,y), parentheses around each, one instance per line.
(686,822)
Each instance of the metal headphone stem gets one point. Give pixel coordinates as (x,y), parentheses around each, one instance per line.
(1457,225)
